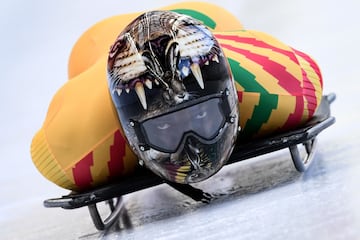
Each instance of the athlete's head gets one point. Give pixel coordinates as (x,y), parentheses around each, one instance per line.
(174,95)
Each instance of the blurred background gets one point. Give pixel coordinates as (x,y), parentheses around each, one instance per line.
(267,200)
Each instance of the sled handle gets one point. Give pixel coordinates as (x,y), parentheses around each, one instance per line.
(303,163)
(116,210)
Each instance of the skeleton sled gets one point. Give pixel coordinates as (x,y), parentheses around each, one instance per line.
(81,145)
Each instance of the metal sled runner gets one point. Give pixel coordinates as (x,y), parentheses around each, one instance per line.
(144,178)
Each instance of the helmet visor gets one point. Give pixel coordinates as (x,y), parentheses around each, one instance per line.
(204,119)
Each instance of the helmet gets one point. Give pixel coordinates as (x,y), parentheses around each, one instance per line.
(174,95)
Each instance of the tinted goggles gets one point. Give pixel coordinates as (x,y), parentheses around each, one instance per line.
(204,118)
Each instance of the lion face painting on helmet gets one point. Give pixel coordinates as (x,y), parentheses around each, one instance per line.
(174,94)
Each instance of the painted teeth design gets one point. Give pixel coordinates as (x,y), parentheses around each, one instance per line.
(185,168)
(179,178)
(185,71)
(148,83)
(139,88)
(195,68)
(118,91)
(135,66)
(180,174)
(215,58)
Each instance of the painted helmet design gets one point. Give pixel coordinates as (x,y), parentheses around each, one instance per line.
(175,96)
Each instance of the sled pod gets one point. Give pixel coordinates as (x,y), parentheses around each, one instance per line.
(279,88)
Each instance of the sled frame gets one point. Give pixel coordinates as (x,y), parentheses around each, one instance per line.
(144,178)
